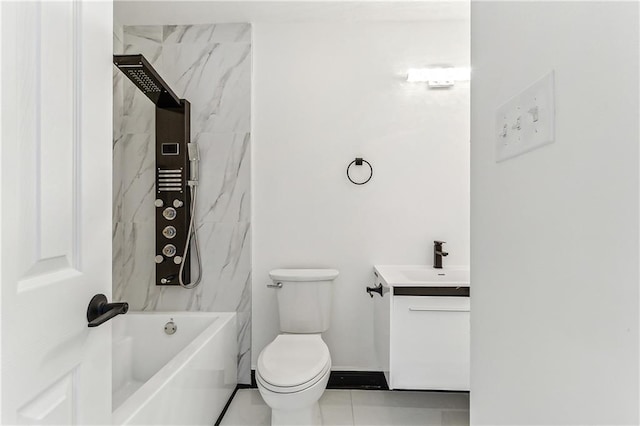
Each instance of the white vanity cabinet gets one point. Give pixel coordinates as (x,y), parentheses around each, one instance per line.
(422,334)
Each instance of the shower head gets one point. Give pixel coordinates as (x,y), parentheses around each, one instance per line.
(142,74)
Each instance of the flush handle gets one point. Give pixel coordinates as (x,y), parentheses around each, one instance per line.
(377,289)
(276,285)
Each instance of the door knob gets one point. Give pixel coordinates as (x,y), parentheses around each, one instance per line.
(99,311)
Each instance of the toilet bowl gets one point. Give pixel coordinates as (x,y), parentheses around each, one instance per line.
(293,370)
(292,374)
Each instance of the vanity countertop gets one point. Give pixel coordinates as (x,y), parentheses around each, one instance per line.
(422,276)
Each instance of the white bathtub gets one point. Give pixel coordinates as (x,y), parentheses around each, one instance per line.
(181,379)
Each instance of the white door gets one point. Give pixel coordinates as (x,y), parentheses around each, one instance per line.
(55,210)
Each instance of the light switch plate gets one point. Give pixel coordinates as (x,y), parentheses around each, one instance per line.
(526,121)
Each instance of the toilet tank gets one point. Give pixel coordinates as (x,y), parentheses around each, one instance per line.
(304,299)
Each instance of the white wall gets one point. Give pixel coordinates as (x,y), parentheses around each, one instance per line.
(323,94)
(555,232)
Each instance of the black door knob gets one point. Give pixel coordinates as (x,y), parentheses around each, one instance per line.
(99,311)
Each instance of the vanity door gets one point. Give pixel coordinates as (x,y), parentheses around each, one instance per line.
(430,343)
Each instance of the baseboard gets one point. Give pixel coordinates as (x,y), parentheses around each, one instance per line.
(369,380)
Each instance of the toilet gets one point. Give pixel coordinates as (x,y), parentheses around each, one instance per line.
(293,370)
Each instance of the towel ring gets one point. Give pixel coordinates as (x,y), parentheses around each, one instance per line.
(358,162)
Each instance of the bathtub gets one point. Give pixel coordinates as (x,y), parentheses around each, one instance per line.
(184,378)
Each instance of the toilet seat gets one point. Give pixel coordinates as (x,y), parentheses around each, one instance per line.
(293,362)
(293,389)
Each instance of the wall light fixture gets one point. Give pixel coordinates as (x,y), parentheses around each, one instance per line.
(438,77)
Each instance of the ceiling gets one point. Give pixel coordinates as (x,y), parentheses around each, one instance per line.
(177,12)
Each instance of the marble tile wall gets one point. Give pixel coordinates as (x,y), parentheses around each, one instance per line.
(209,65)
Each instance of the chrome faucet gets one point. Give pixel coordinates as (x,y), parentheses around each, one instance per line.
(438,254)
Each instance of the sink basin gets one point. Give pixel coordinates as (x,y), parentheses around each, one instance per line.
(436,275)
(423,275)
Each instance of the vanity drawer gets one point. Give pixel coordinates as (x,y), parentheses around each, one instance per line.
(430,343)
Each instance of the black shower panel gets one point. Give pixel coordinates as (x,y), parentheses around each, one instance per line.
(173,196)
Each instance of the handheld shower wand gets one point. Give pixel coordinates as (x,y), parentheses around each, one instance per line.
(192,233)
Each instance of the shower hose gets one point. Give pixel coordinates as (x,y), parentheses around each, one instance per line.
(192,233)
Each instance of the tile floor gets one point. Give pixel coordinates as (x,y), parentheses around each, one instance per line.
(362,408)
